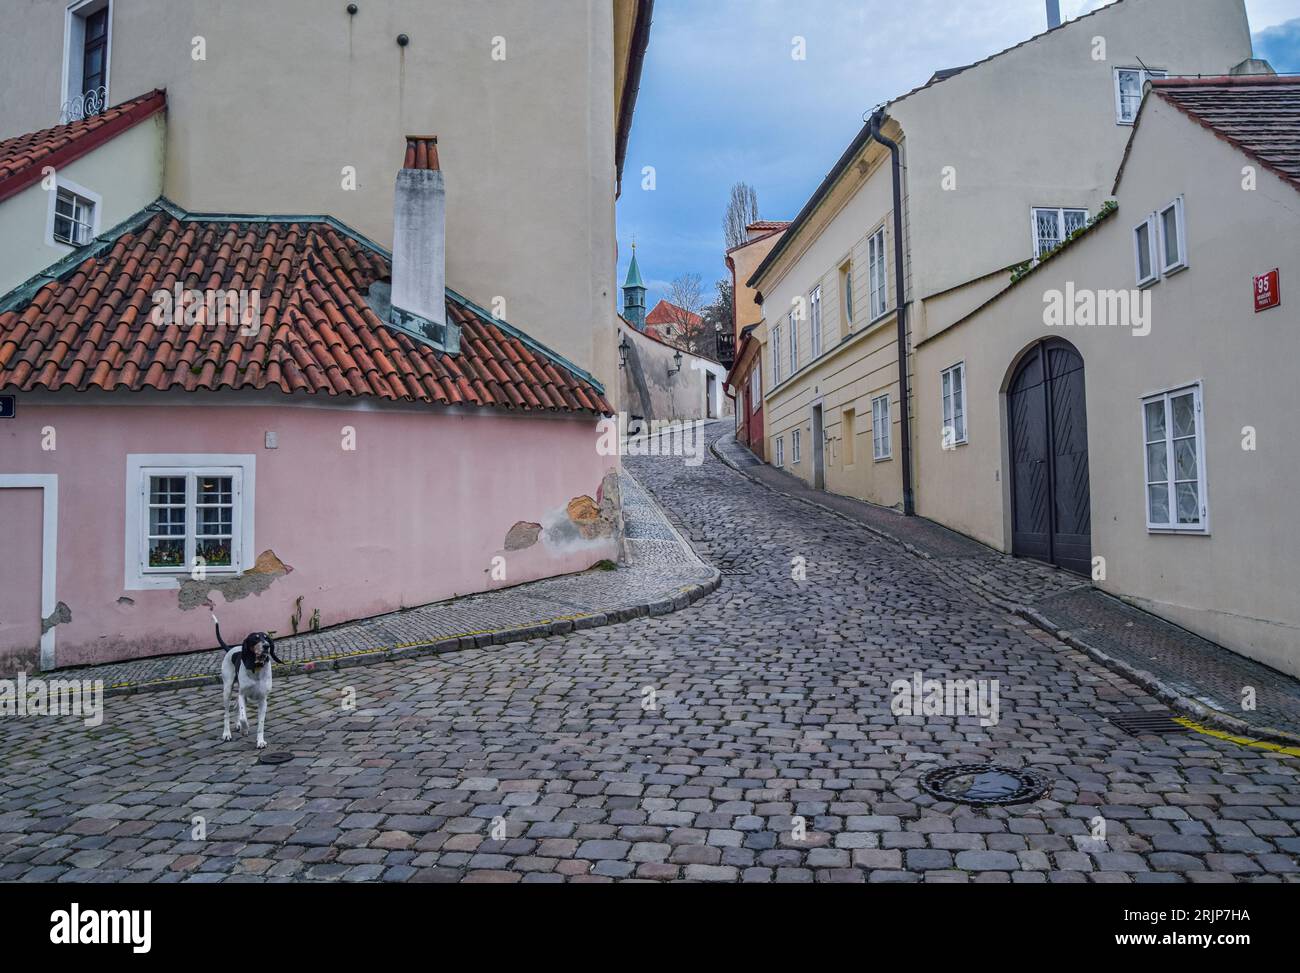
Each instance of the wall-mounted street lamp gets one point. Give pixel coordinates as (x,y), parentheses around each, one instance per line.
(623,347)
(677,361)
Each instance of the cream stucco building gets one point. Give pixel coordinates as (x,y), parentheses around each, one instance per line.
(996,161)
(533,99)
(1157,435)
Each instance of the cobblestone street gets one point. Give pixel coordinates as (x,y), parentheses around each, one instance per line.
(682,746)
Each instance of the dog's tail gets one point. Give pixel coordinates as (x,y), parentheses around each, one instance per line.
(220,640)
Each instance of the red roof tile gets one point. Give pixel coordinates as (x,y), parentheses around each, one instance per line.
(24,156)
(94,328)
(666,312)
(1259,114)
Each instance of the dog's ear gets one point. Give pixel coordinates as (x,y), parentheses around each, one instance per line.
(270,642)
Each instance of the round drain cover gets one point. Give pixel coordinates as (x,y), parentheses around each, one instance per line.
(275,757)
(982,784)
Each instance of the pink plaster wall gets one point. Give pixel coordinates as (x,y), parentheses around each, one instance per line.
(414,515)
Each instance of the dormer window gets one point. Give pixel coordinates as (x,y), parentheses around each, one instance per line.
(87,40)
(1129,86)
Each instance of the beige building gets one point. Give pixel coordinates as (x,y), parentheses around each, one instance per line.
(996,162)
(1154,443)
(531,101)
(742,261)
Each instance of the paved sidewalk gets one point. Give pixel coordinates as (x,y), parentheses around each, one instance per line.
(1186,671)
(660,573)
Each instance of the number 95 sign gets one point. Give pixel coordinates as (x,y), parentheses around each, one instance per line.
(1268,291)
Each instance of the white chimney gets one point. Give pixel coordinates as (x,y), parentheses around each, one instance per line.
(1053,14)
(419,295)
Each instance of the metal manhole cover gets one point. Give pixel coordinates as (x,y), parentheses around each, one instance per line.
(1147,722)
(982,784)
(275,757)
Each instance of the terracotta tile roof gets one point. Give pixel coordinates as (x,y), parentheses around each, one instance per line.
(1259,114)
(24,156)
(666,312)
(88,323)
(421,152)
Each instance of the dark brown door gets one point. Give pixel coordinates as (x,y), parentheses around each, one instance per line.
(1050,500)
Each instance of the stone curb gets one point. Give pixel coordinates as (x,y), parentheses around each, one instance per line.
(1147,680)
(662,603)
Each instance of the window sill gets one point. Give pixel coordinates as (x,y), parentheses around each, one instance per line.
(1180,531)
(884,459)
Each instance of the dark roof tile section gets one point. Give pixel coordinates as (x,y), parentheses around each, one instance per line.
(1259,114)
(24,156)
(421,152)
(95,329)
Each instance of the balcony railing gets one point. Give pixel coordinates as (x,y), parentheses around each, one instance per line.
(85,105)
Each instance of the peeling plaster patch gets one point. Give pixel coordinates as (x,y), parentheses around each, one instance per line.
(61,615)
(585,514)
(585,522)
(522,535)
(125,601)
(268,569)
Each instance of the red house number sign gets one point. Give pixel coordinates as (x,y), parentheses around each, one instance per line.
(1268,291)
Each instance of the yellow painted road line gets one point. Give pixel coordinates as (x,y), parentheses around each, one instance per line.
(1239,740)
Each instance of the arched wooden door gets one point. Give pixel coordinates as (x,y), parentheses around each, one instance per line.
(1050,499)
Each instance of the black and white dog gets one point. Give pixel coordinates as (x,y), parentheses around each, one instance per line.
(250,663)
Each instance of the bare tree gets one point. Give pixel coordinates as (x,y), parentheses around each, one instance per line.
(741,211)
(688,328)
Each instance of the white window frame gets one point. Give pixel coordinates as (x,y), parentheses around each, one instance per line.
(946,384)
(1180,229)
(794,342)
(1144,76)
(756,386)
(815,320)
(882,439)
(1060,212)
(95,200)
(776,354)
(780,451)
(877,275)
(796,453)
(74,46)
(140,467)
(1153,251)
(1172,526)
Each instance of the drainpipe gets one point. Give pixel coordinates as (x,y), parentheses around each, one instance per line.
(904,385)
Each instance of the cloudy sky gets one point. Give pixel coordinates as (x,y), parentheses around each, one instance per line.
(722,100)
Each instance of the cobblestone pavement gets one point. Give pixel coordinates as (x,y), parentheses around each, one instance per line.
(1196,674)
(546,761)
(658,569)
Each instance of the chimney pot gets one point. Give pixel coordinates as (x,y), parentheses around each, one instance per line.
(1053,14)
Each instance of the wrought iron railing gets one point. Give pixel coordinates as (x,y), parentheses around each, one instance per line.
(85,105)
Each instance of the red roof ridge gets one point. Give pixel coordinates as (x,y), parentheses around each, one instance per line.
(1216,80)
(23,158)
